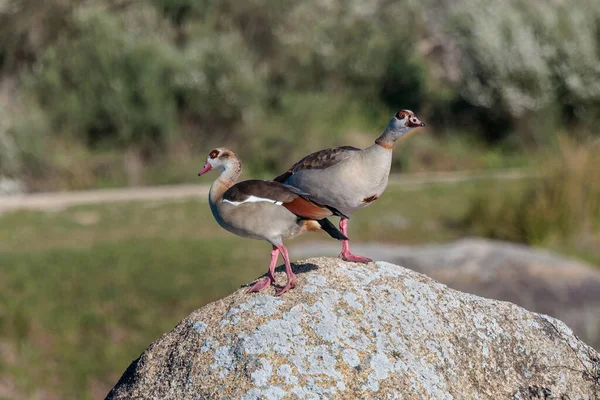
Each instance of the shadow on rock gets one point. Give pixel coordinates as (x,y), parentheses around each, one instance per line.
(297,268)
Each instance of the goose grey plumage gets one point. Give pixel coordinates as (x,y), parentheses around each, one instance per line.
(264,210)
(349,178)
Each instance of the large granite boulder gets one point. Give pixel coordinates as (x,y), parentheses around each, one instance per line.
(537,280)
(352,331)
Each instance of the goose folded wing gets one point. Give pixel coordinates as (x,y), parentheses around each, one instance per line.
(293,199)
(319,160)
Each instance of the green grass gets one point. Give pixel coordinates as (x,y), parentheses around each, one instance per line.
(85,290)
(86,312)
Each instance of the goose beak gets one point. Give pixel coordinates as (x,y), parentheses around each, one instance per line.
(207,167)
(414,122)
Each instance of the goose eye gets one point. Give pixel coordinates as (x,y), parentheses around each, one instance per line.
(213,154)
(400,115)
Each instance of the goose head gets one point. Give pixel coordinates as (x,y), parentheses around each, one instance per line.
(219,158)
(405,121)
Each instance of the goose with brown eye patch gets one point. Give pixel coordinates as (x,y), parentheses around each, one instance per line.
(349,178)
(264,210)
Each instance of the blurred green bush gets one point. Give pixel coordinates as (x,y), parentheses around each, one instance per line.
(107,86)
(519,58)
(145,79)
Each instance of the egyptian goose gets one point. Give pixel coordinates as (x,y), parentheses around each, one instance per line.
(348,178)
(264,210)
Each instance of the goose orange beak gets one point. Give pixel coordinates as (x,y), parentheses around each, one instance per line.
(207,167)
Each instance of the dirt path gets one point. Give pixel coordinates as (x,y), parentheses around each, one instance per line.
(59,200)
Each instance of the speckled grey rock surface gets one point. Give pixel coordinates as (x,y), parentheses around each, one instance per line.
(537,280)
(376,331)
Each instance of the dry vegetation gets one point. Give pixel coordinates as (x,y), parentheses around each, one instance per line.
(560,210)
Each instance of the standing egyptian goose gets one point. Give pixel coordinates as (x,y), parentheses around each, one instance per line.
(348,178)
(264,210)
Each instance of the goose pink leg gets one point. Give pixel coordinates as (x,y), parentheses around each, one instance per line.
(268,281)
(291,277)
(345,254)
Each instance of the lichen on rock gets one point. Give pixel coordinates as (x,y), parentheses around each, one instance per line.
(361,332)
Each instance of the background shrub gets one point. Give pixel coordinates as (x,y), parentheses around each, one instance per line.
(153,78)
(106,86)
